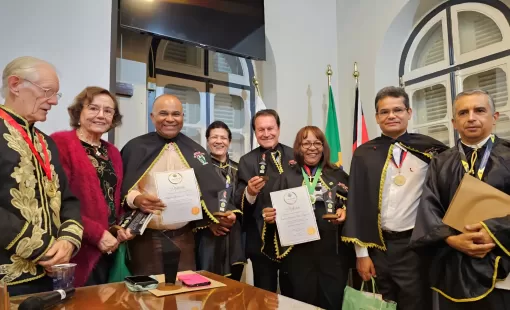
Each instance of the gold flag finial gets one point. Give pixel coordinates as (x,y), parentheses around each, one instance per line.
(355,74)
(256,84)
(329,73)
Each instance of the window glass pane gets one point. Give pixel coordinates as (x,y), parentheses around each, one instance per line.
(430,49)
(477,30)
(230,110)
(192,133)
(502,128)
(224,63)
(190,99)
(429,104)
(492,81)
(181,53)
(438,132)
(236,146)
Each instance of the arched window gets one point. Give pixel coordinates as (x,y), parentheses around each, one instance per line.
(453,49)
(211,85)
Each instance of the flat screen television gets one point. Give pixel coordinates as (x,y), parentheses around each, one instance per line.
(234,27)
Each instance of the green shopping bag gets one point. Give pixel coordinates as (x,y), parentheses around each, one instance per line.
(359,300)
(119,269)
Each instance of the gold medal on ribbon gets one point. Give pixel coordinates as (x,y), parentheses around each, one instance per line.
(399,180)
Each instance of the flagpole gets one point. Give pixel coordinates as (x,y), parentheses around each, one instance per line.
(329,73)
(256,84)
(355,74)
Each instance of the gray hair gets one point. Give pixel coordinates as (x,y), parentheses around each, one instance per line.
(24,67)
(477,92)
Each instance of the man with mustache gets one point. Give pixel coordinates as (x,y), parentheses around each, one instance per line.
(257,168)
(39,216)
(166,150)
(385,186)
(468,269)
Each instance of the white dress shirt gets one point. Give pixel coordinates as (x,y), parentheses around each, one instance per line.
(400,203)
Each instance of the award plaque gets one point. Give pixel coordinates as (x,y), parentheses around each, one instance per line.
(263,167)
(329,198)
(223,197)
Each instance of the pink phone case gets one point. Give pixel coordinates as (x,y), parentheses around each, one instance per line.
(194,280)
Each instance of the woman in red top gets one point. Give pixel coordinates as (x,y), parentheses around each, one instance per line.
(94,169)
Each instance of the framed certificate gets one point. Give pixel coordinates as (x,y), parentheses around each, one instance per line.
(179,192)
(295,219)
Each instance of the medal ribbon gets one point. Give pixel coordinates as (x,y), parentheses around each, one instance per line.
(403,155)
(484,161)
(44,164)
(311,186)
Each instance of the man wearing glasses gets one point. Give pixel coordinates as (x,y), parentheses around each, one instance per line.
(39,216)
(385,186)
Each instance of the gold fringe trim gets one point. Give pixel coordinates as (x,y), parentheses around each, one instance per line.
(143,175)
(495,239)
(276,162)
(264,244)
(362,244)
(381,188)
(278,255)
(242,200)
(472,299)
(16,239)
(27,280)
(209,215)
(415,150)
(238,211)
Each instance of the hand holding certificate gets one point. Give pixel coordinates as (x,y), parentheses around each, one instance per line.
(179,192)
(295,219)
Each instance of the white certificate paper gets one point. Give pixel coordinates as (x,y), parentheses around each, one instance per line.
(295,219)
(179,192)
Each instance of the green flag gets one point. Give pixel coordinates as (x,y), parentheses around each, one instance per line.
(332,134)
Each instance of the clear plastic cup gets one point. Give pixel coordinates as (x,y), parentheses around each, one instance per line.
(63,276)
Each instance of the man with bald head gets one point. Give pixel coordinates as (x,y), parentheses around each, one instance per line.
(165,150)
(39,216)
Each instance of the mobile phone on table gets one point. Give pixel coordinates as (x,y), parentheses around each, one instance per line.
(193,280)
(142,281)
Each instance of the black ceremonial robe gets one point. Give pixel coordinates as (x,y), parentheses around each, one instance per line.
(34,210)
(317,270)
(218,254)
(453,274)
(139,154)
(368,170)
(248,168)
(265,271)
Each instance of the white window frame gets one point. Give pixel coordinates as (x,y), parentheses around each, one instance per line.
(164,80)
(502,63)
(410,74)
(179,67)
(232,78)
(245,96)
(442,80)
(488,11)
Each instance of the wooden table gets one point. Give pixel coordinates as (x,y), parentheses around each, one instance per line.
(234,296)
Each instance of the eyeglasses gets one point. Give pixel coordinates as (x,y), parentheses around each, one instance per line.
(306,145)
(396,112)
(94,109)
(48,92)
